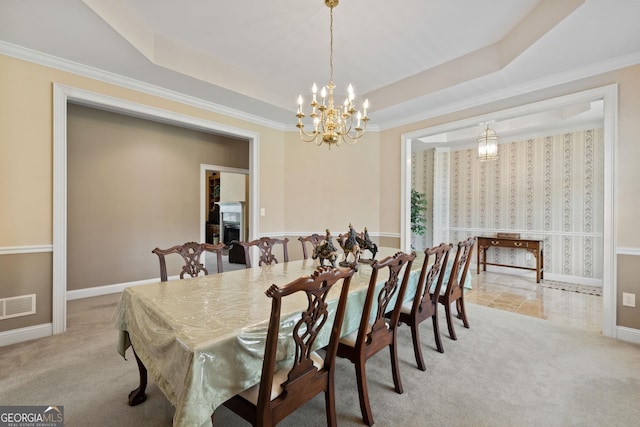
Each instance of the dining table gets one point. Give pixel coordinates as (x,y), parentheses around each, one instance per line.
(202,339)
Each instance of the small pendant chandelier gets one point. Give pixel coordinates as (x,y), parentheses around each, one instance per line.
(332,124)
(487,145)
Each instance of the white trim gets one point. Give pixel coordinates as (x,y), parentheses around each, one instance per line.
(297,234)
(33,249)
(126,82)
(533,232)
(610,266)
(514,271)
(59,261)
(516,90)
(203,192)
(109,289)
(629,251)
(405,194)
(610,96)
(64,94)
(628,334)
(391,235)
(15,336)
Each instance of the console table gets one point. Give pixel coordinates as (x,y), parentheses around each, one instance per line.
(534,246)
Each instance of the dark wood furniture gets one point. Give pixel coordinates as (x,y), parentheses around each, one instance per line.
(266,246)
(177,341)
(424,304)
(314,239)
(281,392)
(534,246)
(378,332)
(191,253)
(454,292)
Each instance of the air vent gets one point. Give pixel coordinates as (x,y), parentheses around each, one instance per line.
(17,306)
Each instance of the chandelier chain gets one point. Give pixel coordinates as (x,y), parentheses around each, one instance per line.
(331,46)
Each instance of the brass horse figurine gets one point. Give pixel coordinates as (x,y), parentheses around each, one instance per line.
(366,244)
(350,246)
(326,251)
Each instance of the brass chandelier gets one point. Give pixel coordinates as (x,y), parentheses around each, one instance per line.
(332,124)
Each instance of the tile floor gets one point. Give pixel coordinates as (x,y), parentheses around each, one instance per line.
(521,294)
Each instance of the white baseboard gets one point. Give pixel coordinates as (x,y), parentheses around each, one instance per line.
(628,334)
(547,276)
(108,289)
(15,336)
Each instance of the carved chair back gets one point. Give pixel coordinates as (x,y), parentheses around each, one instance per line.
(454,292)
(314,239)
(281,392)
(266,246)
(191,253)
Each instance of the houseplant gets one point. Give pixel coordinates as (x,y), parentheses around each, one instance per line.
(418,208)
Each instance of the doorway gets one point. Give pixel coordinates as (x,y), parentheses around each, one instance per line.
(64,95)
(226,204)
(607,94)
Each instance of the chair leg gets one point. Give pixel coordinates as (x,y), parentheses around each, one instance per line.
(417,350)
(363,393)
(462,314)
(452,333)
(395,367)
(330,403)
(436,332)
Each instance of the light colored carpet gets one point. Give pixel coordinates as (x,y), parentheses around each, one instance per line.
(507,370)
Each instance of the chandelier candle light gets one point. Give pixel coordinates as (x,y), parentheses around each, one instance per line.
(332,124)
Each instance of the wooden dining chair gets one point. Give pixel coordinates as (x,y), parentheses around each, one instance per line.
(280,392)
(377,332)
(266,246)
(314,239)
(424,303)
(191,253)
(454,291)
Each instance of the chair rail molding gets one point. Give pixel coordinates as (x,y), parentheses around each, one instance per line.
(31,249)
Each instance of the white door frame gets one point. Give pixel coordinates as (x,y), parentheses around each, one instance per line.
(610,96)
(204,168)
(62,95)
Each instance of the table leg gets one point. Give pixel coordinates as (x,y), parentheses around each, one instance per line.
(482,258)
(541,262)
(138,395)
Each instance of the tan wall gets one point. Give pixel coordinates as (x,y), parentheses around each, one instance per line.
(330,188)
(302,187)
(26,173)
(24,274)
(628,273)
(133,185)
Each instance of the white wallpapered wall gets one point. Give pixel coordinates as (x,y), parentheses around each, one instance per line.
(549,188)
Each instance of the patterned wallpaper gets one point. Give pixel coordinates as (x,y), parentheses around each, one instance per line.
(547,188)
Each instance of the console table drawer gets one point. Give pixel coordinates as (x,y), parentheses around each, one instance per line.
(508,243)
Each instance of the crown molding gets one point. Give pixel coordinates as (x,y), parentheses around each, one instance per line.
(51,61)
(517,90)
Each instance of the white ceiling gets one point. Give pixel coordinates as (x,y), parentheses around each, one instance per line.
(413,59)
